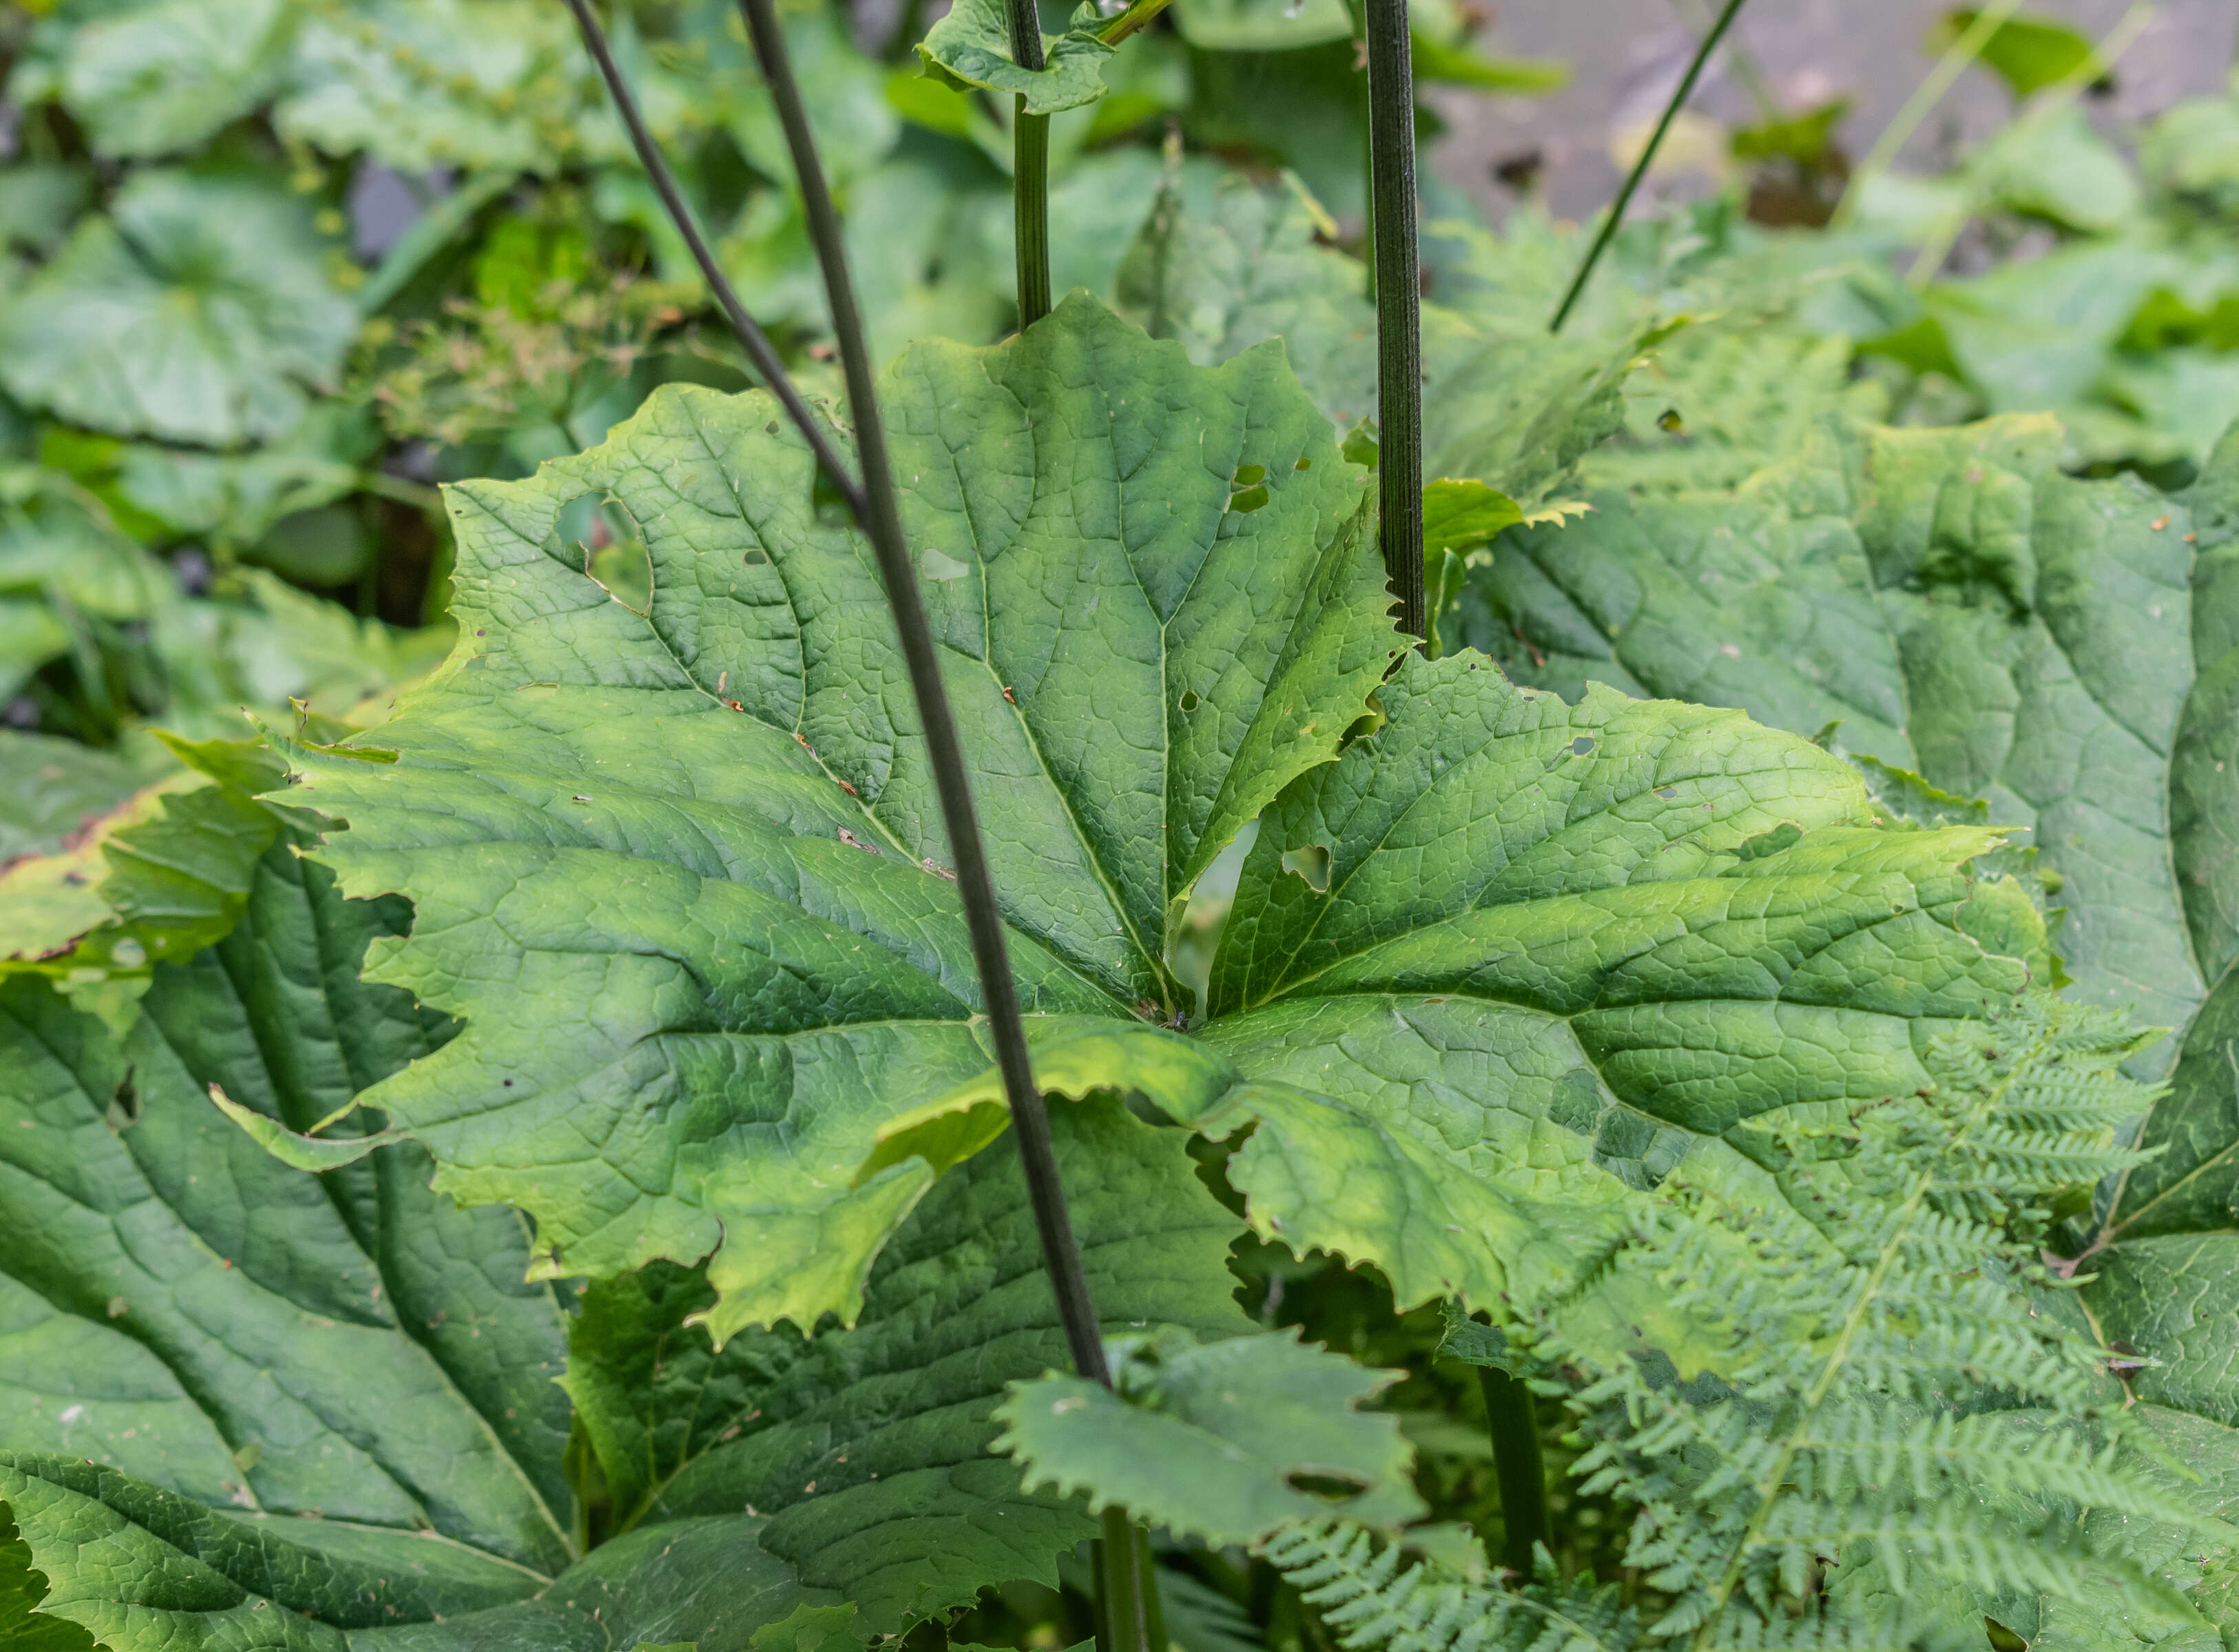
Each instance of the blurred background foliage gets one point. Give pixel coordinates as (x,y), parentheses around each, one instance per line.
(271,270)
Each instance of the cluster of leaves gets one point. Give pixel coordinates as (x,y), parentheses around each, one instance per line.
(693,994)
(603,1235)
(2072,262)
(217,364)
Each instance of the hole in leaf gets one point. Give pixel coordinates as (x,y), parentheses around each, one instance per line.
(825,498)
(615,558)
(124,1106)
(2003,1639)
(1190,701)
(940,566)
(1311,863)
(1249,500)
(1304,464)
(757,558)
(1581,745)
(771,427)
(1667,791)
(1250,475)
(1331,1487)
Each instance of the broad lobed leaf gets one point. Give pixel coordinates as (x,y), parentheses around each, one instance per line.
(715,820)
(678,872)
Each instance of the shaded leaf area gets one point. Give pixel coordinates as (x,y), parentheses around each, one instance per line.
(182,1309)
(1945,602)
(1225,264)
(234,1398)
(1227,1442)
(142,1568)
(59,788)
(714,822)
(866,1449)
(198,310)
(2164,1258)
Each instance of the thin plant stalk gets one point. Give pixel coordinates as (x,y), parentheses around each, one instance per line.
(1684,91)
(1398,306)
(1516,1466)
(1030,172)
(1925,96)
(1139,15)
(2118,40)
(872,502)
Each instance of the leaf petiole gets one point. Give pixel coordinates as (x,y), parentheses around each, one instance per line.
(1680,94)
(1398,306)
(1030,172)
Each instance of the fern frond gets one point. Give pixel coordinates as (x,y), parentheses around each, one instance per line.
(1369,1600)
(1883,1389)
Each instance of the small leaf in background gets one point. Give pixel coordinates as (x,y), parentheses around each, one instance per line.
(1803,138)
(198,310)
(2029,53)
(971,47)
(148,80)
(1226,1441)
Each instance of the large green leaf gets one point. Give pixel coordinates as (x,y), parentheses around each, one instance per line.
(146,1569)
(2163,1265)
(677,871)
(150,79)
(198,310)
(841,1440)
(1954,605)
(185,1311)
(1158,605)
(1505,939)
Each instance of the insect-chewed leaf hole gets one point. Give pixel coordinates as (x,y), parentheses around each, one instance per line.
(1311,862)
(603,533)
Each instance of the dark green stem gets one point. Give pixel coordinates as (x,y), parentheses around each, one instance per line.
(1128,1618)
(1679,96)
(1030,204)
(757,343)
(1030,173)
(1398,306)
(1517,1466)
